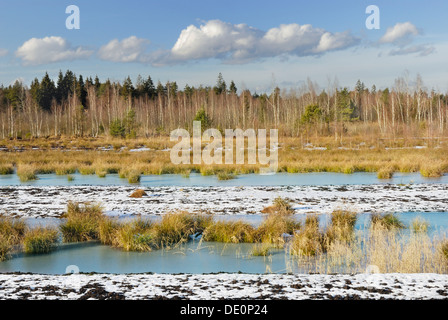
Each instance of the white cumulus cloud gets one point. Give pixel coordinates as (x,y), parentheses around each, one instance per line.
(239,43)
(37,51)
(399,32)
(131,49)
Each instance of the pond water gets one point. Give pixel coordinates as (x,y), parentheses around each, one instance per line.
(193,257)
(196,179)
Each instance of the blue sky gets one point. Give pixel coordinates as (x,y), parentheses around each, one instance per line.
(258,44)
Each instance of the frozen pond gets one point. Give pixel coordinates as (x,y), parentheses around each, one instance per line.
(194,257)
(196,179)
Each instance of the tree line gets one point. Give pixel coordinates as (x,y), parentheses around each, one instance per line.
(78,106)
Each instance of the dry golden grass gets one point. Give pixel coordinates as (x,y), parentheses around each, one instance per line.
(40,240)
(85,155)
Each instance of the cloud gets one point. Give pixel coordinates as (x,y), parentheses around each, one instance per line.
(421,50)
(131,49)
(3,52)
(48,50)
(401,36)
(399,32)
(240,43)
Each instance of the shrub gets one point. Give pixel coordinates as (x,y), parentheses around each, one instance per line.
(117,129)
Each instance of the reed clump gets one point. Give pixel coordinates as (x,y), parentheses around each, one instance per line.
(82,223)
(86,170)
(276,228)
(386,221)
(443,249)
(144,235)
(133,176)
(386,173)
(433,170)
(176,228)
(6,168)
(136,235)
(419,225)
(40,240)
(309,240)
(230,232)
(342,226)
(26,173)
(225,175)
(12,232)
(6,246)
(280,206)
(260,250)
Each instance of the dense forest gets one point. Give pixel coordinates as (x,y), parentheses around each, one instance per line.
(78,106)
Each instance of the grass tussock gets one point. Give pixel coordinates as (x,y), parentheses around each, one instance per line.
(260,250)
(82,222)
(144,235)
(133,236)
(40,240)
(12,232)
(386,173)
(275,227)
(386,221)
(138,193)
(225,175)
(419,225)
(443,249)
(230,232)
(176,228)
(6,168)
(280,206)
(308,241)
(133,176)
(433,169)
(27,173)
(341,227)
(86,170)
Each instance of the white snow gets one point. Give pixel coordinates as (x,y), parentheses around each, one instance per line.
(29,201)
(228,285)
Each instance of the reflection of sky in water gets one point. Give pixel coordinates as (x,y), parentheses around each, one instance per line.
(195,179)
